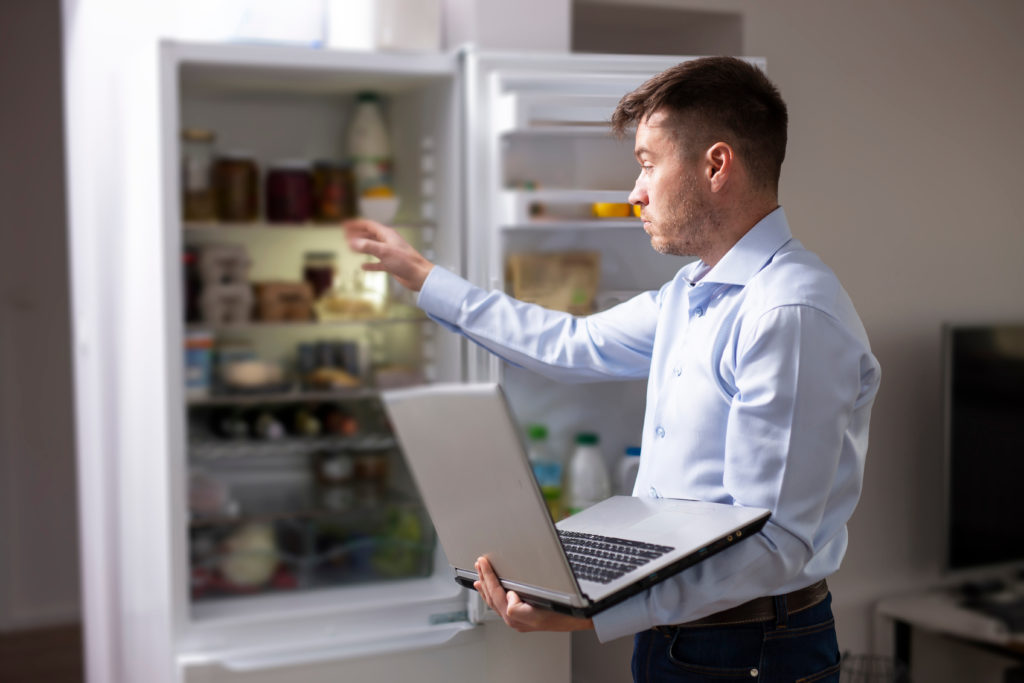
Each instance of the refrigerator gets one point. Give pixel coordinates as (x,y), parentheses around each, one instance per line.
(265,526)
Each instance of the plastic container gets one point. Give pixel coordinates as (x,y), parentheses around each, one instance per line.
(369,145)
(629,465)
(587,481)
(547,469)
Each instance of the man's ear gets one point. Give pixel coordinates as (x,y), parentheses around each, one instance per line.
(719,160)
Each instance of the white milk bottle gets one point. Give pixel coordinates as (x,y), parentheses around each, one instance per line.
(628,467)
(587,480)
(369,145)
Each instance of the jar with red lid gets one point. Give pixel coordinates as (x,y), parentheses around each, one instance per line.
(236,180)
(289,192)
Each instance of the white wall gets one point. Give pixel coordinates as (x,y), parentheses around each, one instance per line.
(903,173)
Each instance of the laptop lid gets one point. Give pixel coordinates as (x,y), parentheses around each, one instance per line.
(465,451)
(467,458)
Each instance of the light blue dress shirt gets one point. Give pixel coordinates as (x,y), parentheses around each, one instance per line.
(760,387)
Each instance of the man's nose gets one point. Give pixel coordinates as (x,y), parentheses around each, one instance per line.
(639,194)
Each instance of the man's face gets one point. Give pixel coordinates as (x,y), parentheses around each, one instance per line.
(675,208)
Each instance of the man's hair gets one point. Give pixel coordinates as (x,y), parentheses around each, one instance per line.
(716,99)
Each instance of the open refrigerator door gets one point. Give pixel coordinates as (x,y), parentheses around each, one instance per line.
(300,537)
(550,221)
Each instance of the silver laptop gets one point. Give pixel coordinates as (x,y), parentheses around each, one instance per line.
(466,454)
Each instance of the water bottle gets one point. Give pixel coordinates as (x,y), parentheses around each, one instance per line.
(587,480)
(547,469)
(629,465)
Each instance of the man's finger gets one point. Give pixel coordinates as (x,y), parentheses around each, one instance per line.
(492,589)
(367,246)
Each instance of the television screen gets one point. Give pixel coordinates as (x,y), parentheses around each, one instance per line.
(984,378)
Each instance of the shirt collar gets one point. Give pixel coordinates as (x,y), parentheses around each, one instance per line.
(749,255)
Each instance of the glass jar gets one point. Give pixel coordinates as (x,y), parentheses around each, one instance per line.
(196,175)
(319,268)
(236,180)
(289,192)
(333,192)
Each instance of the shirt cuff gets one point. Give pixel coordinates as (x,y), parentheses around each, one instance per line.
(442,294)
(625,619)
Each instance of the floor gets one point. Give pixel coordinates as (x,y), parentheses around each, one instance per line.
(50,655)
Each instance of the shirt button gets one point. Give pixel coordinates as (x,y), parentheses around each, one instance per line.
(653,492)
(659,432)
(699,312)
(753,673)
(677,370)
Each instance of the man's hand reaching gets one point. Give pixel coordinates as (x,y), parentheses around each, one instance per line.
(394,254)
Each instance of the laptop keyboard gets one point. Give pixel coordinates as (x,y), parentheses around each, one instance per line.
(603,559)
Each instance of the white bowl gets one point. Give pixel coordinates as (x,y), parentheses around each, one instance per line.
(380,209)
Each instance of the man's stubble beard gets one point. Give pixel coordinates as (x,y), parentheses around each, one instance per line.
(691,223)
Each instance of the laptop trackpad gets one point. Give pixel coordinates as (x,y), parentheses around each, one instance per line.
(662,524)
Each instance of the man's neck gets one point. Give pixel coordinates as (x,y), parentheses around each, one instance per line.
(735,225)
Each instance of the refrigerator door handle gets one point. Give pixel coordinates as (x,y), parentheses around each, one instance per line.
(396,641)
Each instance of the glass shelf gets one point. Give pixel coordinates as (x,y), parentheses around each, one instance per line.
(290,396)
(255,325)
(258,226)
(215,449)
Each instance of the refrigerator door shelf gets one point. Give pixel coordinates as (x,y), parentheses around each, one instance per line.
(521,112)
(559,208)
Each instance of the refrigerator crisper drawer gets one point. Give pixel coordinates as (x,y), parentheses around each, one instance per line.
(310,549)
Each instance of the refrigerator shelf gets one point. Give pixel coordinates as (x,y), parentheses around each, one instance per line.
(294,396)
(215,449)
(529,208)
(598,130)
(290,396)
(576,224)
(356,506)
(292,324)
(261,226)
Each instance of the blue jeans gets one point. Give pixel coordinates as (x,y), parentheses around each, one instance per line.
(792,648)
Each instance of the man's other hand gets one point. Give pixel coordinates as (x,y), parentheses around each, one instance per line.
(516,613)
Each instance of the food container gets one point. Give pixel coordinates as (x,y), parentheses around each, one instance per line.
(333,192)
(236,180)
(289,192)
(198,364)
(319,269)
(198,202)
(380,209)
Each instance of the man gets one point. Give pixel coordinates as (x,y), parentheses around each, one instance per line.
(760,382)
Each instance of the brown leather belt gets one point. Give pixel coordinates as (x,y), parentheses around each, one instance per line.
(763,609)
